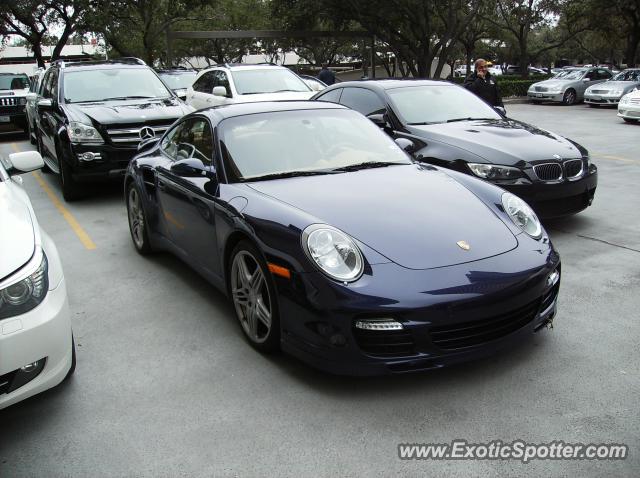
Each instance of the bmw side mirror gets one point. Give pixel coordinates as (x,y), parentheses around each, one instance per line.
(24,162)
(586,80)
(192,168)
(219,91)
(406,144)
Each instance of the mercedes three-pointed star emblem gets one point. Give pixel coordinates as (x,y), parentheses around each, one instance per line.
(147,133)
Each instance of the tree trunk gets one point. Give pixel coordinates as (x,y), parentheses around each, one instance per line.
(37,53)
(632,49)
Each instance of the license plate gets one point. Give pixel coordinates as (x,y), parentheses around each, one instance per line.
(596,98)
(5,119)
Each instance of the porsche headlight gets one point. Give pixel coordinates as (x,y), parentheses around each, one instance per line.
(333,251)
(26,294)
(522,215)
(494,171)
(82,133)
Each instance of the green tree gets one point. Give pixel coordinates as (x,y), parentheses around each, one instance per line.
(32,19)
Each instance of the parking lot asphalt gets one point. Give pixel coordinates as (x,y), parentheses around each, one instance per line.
(167,386)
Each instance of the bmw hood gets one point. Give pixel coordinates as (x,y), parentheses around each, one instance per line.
(414,216)
(17,237)
(127,112)
(285,95)
(501,141)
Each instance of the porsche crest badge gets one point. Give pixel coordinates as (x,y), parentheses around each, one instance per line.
(463,245)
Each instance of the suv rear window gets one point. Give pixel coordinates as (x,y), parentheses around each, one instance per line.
(14,82)
(112,84)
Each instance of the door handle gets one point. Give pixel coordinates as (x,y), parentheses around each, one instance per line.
(162,185)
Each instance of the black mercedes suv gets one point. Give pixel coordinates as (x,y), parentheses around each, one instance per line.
(91,116)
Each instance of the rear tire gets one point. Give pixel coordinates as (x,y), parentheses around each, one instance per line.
(591,105)
(569,97)
(629,120)
(45,168)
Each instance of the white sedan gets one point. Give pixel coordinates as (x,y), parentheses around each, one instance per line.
(629,107)
(37,350)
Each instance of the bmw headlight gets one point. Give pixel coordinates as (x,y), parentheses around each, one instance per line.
(615,92)
(26,294)
(494,171)
(82,133)
(522,215)
(333,251)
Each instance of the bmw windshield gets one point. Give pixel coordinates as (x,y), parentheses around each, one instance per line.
(105,84)
(429,104)
(302,143)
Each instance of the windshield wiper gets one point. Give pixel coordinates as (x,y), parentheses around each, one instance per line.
(127,98)
(422,123)
(365,165)
(290,174)
(467,119)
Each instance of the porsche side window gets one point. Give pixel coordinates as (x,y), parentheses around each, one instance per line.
(169,144)
(364,101)
(332,96)
(198,141)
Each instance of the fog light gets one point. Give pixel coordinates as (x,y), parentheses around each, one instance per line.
(30,367)
(378,324)
(553,278)
(88,156)
(25,374)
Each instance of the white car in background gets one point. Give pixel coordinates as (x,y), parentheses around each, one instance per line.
(629,107)
(37,351)
(239,83)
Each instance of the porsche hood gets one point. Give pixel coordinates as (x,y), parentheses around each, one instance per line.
(419,218)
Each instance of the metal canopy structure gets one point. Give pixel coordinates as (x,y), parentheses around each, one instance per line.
(259,34)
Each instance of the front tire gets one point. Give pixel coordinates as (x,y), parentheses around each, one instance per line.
(569,97)
(253,295)
(71,190)
(629,120)
(137,221)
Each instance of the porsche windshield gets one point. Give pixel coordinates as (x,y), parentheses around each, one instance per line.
(429,104)
(304,142)
(112,84)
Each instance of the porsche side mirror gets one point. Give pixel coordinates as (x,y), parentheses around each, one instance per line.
(406,144)
(501,110)
(192,168)
(219,91)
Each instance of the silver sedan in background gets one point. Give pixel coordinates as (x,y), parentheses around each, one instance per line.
(610,92)
(567,88)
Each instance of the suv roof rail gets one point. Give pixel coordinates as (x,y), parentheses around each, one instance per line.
(130,59)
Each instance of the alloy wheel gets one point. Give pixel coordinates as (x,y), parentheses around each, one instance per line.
(251,297)
(136,218)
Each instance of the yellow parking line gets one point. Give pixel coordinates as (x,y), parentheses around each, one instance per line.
(75,226)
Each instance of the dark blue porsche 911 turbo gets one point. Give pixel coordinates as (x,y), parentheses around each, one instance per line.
(337,248)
